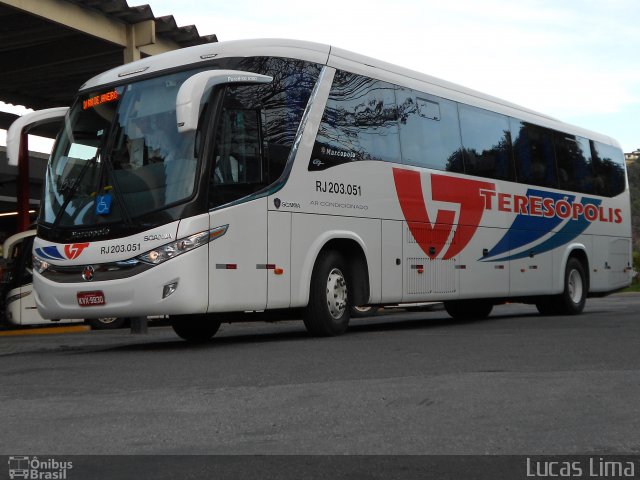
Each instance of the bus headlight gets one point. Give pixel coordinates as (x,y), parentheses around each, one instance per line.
(171,250)
(39,265)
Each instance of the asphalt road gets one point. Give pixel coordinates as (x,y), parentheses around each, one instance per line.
(401,383)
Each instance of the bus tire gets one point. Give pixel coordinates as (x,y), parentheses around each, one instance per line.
(547,306)
(328,312)
(574,296)
(363,311)
(106,323)
(195,328)
(468,309)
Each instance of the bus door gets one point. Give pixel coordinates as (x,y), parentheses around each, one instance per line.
(238,259)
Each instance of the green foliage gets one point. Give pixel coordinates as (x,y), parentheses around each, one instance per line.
(633,172)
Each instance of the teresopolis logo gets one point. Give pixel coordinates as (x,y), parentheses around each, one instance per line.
(71,251)
(538,212)
(461,191)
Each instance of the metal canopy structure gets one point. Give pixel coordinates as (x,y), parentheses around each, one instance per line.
(49,48)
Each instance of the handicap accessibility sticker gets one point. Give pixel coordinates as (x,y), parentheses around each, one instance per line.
(103,204)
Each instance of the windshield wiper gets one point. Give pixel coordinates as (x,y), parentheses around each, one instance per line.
(72,190)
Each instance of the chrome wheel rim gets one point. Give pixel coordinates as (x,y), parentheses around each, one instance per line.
(336,293)
(363,309)
(107,320)
(574,286)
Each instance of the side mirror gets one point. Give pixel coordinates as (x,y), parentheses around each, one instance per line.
(29,120)
(195,88)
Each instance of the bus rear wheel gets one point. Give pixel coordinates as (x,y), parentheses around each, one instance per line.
(363,311)
(468,309)
(195,328)
(328,312)
(574,295)
(547,306)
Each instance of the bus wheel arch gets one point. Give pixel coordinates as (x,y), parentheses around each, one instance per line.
(339,280)
(357,267)
(579,252)
(575,287)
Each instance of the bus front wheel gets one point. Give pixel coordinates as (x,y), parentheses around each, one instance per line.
(106,323)
(363,311)
(574,295)
(195,328)
(328,312)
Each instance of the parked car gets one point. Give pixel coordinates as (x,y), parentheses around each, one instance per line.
(18,299)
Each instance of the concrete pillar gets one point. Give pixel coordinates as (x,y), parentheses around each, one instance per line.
(138,35)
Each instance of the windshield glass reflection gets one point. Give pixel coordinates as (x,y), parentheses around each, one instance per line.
(121,156)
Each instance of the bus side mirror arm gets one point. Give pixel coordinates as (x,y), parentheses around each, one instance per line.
(197,87)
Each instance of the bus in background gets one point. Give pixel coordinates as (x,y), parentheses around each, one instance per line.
(274,175)
(18,300)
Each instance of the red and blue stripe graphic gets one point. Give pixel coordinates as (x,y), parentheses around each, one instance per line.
(527,229)
(51,252)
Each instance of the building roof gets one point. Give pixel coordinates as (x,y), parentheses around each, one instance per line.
(166,26)
(45,60)
(50,48)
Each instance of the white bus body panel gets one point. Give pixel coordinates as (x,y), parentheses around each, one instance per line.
(312,232)
(533,266)
(482,279)
(139,295)
(279,245)
(610,257)
(391,277)
(244,246)
(24,310)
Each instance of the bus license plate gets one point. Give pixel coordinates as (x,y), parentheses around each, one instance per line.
(91,299)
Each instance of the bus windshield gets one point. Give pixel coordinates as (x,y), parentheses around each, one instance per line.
(120,156)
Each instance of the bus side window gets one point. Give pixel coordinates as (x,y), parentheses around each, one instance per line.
(429,131)
(608,169)
(237,169)
(534,154)
(237,152)
(360,122)
(487,143)
(573,156)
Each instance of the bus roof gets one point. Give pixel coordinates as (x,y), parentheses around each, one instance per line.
(201,55)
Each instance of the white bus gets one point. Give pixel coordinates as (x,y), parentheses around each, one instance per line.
(273,175)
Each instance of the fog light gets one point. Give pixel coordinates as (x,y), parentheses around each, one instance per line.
(169,288)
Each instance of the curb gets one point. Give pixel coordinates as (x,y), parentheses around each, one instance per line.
(45,331)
